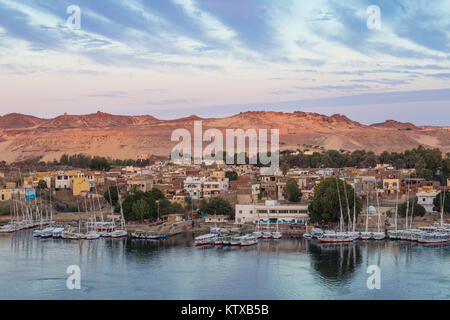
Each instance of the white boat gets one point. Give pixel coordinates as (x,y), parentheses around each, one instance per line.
(226,241)
(218,241)
(267,235)
(435,237)
(119,234)
(205,239)
(316,232)
(307,236)
(69,235)
(335,237)
(353,235)
(236,241)
(248,240)
(56,233)
(276,235)
(405,235)
(394,234)
(366,235)
(92,236)
(8,229)
(257,234)
(378,235)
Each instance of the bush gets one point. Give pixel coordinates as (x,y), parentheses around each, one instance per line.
(71,209)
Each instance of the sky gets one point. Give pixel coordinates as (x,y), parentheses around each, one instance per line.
(174,58)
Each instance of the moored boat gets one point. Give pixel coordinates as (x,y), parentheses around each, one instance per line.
(435,237)
(378,235)
(236,241)
(205,239)
(248,240)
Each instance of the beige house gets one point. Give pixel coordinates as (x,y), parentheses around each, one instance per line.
(143,184)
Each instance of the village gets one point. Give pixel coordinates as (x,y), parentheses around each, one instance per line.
(198,197)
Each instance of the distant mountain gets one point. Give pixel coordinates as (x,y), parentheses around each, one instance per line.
(125,137)
(392,124)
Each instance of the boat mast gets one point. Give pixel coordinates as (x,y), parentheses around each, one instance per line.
(348,207)
(354,207)
(407,204)
(120,203)
(99,205)
(367,211)
(442,208)
(396,212)
(341,220)
(379,214)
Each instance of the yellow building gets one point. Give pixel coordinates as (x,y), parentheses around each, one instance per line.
(391,186)
(10,185)
(80,185)
(5,194)
(218,174)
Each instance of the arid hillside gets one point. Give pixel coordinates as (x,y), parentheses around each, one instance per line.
(125,137)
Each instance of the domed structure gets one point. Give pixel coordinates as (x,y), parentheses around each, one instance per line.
(372,210)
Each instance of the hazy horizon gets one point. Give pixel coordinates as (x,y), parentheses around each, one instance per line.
(215,58)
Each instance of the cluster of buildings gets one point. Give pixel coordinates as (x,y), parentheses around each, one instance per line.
(254,195)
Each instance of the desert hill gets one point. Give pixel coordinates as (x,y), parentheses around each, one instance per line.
(125,137)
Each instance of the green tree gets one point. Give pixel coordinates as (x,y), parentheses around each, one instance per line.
(156,194)
(445,172)
(324,206)
(140,209)
(426,174)
(100,163)
(284,168)
(188,204)
(437,202)
(215,206)
(231,175)
(292,191)
(131,198)
(114,195)
(419,210)
(42,184)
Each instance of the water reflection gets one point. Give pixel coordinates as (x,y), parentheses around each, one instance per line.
(174,268)
(335,261)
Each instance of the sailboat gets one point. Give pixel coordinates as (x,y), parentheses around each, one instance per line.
(379,235)
(395,234)
(92,235)
(277,234)
(439,234)
(267,234)
(120,233)
(257,233)
(406,234)
(366,235)
(341,236)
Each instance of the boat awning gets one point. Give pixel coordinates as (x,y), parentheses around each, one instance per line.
(56,230)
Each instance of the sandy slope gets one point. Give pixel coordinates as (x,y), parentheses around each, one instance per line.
(125,137)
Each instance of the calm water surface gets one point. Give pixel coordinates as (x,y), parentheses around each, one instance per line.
(174,269)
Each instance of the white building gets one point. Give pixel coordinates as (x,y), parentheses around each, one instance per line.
(214,187)
(194,186)
(271,212)
(425,199)
(63,179)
